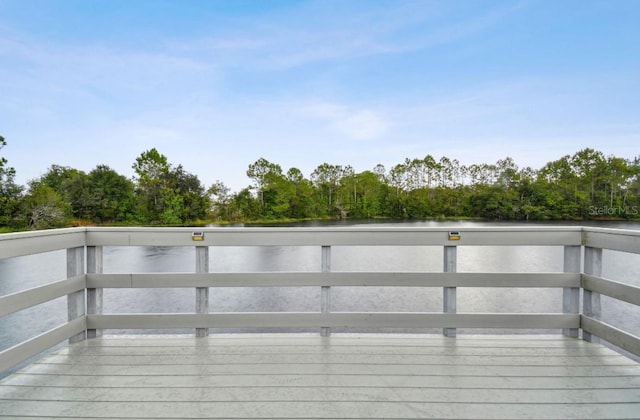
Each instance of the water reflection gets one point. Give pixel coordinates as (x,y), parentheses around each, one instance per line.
(148,259)
(20,273)
(510,259)
(625,268)
(251,259)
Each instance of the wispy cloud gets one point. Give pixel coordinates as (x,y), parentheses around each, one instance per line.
(464,28)
(351,122)
(316,32)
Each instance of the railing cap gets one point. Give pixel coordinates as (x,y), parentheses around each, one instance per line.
(336,236)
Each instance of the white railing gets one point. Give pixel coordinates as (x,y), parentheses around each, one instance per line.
(85,280)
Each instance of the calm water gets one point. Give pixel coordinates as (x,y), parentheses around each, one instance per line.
(24,272)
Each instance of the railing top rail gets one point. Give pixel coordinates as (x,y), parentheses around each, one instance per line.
(612,239)
(391,227)
(40,233)
(336,236)
(26,243)
(612,231)
(17,244)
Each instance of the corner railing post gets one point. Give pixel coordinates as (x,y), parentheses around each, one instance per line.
(75,300)
(94,295)
(202,293)
(325,293)
(591,305)
(449,293)
(571,295)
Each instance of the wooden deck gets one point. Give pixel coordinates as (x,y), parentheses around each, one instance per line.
(310,377)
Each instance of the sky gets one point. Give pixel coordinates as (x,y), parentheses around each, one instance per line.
(216,85)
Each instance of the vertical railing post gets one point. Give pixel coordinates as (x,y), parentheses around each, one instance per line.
(325,292)
(94,295)
(449,293)
(571,295)
(591,305)
(202,293)
(75,300)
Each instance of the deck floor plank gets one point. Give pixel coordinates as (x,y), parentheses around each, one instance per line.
(310,377)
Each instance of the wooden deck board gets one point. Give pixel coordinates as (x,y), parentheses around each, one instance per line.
(312,377)
(341,359)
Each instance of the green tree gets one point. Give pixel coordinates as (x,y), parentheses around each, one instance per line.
(45,208)
(71,184)
(619,176)
(194,200)
(507,173)
(590,168)
(154,194)
(494,202)
(221,199)
(281,195)
(111,195)
(303,201)
(399,184)
(244,206)
(326,179)
(347,192)
(632,189)
(10,192)
(263,173)
(559,181)
(165,194)
(370,195)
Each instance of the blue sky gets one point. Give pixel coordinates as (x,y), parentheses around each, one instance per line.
(216,85)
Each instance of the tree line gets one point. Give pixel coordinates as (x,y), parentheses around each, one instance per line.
(584,185)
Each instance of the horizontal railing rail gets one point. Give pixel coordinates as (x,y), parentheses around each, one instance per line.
(333,320)
(614,289)
(332,279)
(36,345)
(85,280)
(25,299)
(28,243)
(598,328)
